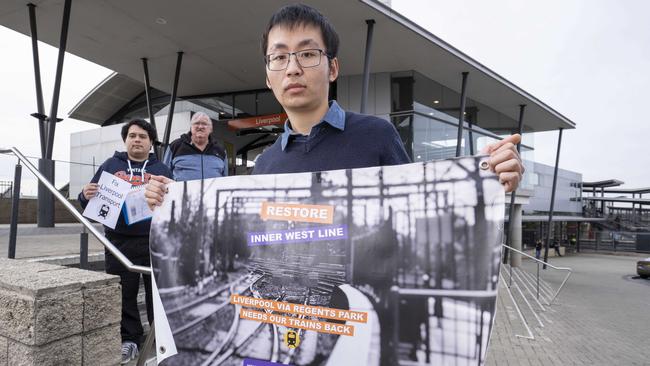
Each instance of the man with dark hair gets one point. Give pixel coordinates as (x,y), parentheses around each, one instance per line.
(136,165)
(194,155)
(300,52)
(300,49)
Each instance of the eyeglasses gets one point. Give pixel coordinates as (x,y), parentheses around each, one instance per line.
(305,58)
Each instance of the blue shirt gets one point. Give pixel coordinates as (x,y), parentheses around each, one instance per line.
(341,140)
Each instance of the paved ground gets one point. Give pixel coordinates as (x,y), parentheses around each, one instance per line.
(63,240)
(602,317)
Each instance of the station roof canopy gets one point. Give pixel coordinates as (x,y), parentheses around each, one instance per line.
(602,184)
(220,41)
(106,98)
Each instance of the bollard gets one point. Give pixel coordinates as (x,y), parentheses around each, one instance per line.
(83,249)
(15,201)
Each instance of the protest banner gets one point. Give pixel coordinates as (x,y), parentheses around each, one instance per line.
(374,266)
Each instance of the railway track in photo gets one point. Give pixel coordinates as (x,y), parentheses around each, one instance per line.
(208,329)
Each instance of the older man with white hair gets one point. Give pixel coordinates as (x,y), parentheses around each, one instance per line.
(194,155)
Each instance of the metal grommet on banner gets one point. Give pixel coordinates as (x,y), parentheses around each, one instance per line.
(162,350)
(484,165)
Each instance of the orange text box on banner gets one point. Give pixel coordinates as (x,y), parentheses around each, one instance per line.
(322,214)
(300,309)
(291,322)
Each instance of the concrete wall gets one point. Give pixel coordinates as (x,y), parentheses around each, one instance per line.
(543,184)
(52,315)
(27,209)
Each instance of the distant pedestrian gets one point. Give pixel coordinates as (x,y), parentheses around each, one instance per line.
(556,246)
(538,249)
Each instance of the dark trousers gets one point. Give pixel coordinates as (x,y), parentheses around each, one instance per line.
(136,248)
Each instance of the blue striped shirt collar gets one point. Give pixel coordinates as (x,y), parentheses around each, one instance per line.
(335,117)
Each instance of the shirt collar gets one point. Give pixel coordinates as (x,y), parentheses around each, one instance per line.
(335,117)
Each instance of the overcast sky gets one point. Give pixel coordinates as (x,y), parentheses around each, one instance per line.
(589,60)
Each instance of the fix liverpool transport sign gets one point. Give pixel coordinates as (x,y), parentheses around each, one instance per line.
(106,205)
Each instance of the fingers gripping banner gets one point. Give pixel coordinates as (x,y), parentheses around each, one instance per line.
(374,266)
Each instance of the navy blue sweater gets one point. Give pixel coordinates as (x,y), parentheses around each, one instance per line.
(364,142)
(118,165)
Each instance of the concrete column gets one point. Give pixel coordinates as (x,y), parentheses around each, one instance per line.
(45,213)
(515,221)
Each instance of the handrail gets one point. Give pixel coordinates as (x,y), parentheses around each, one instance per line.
(102,239)
(8,152)
(570,271)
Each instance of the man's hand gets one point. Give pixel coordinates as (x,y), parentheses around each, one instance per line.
(505,161)
(156,190)
(90,190)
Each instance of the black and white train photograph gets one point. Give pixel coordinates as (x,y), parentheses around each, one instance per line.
(415,248)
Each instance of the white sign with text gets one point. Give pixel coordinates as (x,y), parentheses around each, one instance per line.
(105,207)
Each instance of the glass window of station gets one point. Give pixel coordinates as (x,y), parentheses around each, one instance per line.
(426,115)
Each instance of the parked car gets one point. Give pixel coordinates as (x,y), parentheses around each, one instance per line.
(643,268)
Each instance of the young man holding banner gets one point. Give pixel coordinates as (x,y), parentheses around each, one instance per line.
(300,49)
(136,165)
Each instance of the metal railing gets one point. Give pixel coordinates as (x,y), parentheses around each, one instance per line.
(126,262)
(6,189)
(538,262)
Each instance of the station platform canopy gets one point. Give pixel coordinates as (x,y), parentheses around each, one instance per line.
(602,184)
(644,201)
(624,190)
(559,218)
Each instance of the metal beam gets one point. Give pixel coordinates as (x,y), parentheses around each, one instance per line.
(470,137)
(461,115)
(45,216)
(147,91)
(52,119)
(366,66)
(578,237)
(514,193)
(152,120)
(550,211)
(172,101)
(37,78)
